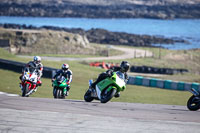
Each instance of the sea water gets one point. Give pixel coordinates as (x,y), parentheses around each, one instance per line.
(188,29)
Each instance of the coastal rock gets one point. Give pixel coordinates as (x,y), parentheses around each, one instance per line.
(159,9)
(45,41)
(80,40)
(120,38)
(101,36)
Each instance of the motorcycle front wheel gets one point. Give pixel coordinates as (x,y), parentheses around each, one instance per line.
(87,96)
(107,95)
(193,103)
(58,93)
(25,90)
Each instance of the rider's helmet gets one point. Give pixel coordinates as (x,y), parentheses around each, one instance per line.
(65,67)
(37,59)
(124,66)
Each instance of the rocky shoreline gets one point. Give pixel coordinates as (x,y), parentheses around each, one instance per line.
(102,36)
(158,9)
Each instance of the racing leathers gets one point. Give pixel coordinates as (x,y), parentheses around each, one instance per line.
(39,68)
(106,74)
(68,75)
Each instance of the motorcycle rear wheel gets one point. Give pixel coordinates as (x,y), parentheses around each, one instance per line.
(106,96)
(193,104)
(87,96)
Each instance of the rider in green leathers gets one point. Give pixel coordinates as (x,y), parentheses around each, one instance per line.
(124,67)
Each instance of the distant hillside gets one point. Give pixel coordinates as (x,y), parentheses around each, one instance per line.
(161,9)
(101,36)
(47,42)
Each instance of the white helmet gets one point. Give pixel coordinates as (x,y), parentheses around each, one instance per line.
(65,67)
(37,59)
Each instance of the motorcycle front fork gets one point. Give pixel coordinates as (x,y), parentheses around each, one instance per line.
(30,92)
(197,98)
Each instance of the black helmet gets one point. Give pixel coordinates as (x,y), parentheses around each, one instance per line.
(124,66)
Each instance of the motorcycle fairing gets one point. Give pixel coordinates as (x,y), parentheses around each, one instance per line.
(98,92)
(114,80)
(32,77)
(109,83)
(62,85)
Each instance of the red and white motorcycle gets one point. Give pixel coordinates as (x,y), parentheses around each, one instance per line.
(29,81)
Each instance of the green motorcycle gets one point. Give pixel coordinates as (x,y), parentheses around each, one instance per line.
(107,88)
(60,87)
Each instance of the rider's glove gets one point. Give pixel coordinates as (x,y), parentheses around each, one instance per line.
(52,80)
(110,73)
(126,76)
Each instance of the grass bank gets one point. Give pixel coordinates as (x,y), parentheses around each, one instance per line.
(81,74)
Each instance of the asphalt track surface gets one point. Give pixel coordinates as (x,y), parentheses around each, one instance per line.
(44,115)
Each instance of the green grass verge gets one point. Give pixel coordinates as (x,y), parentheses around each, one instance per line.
(135,94)
(81,74)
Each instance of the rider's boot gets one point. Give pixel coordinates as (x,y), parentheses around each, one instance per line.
(117,95)
(39,82)
(67,93)
(67,89)
(35,89)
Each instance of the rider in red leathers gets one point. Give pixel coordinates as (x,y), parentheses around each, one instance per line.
(36,63)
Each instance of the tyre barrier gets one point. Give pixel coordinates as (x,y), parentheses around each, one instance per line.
(165,84)
(18,66)
(154,70)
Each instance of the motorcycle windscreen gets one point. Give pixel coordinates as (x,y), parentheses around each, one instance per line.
(63,84)
(120,82)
